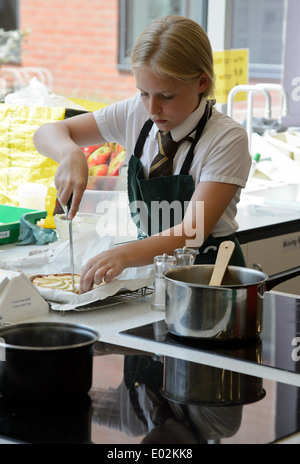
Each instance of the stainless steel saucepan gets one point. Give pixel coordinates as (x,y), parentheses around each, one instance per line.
(199,385)
(232,311)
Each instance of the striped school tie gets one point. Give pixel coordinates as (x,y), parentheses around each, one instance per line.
(162,165)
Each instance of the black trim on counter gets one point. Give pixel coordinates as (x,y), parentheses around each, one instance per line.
(274,230)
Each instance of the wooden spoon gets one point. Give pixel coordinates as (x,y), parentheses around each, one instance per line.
(224,254)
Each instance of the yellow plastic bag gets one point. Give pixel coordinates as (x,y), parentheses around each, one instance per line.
(19,160)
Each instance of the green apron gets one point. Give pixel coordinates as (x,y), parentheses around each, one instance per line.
(144,193)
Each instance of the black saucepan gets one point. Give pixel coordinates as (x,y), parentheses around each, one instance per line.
(46,359)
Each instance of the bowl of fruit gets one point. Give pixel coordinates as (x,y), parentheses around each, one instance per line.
(104,162)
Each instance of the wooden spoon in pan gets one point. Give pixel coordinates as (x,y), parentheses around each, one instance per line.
(224,254)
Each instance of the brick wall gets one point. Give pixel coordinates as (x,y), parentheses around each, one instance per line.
(77,40)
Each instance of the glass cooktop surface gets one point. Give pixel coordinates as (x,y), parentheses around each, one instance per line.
(127,406)
(277,347)
(139,398)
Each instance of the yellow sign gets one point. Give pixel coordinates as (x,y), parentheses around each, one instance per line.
(231,69)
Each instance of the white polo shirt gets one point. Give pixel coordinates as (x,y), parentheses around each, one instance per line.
(221,155)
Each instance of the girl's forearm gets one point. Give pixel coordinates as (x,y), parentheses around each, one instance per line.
(45,136)
(56,140)
(142,252)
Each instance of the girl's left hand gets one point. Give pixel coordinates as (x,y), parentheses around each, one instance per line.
(105,266)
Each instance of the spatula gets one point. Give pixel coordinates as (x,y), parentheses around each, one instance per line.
(224,254)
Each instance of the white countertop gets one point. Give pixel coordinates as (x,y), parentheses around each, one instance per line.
(110,321)
(259,208)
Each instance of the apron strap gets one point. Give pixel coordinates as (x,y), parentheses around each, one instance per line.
(199,130)
(138,150)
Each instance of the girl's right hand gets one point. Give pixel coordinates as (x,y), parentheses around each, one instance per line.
(62,142)
(71,179)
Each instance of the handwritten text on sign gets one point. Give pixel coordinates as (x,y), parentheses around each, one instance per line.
(231,69)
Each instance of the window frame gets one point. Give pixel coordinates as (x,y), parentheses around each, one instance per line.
(221,38)
(188,8)
(16,8)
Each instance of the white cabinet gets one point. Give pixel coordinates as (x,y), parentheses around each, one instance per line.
(274,255)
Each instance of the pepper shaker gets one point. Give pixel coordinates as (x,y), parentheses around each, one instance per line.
(185,256)
(161,264)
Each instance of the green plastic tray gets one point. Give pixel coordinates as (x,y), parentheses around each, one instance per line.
(10,221)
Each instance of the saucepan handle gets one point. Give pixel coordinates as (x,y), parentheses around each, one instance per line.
(280,277)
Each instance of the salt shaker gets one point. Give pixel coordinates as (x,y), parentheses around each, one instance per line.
(161,264)
(185,256)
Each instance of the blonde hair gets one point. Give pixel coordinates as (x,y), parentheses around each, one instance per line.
(175,47)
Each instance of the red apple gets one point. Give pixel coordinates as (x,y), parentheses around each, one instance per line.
(119,148)
(88,150)
(100,170)
(116,150)
(100,156)
(116,163)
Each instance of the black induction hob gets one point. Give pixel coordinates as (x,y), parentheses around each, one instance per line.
(278,347)
(127,391)
(51,421)
(122,409)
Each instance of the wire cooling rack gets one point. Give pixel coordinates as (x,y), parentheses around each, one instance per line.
(119,298)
